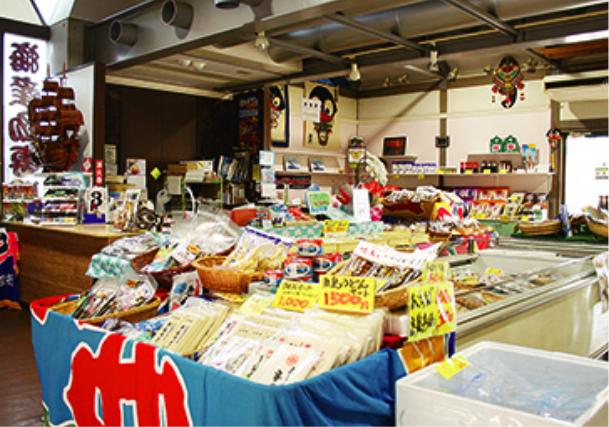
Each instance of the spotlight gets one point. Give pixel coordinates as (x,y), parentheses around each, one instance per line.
(177,14)
(403,78)
(433,61)
(123,33)
(184,62)
(387,82)
(227,4)
(199,66)
(452,75)
(488,69)
(262,42)
(354,74)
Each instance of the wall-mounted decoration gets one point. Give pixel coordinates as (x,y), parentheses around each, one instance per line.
(24,67)
(325,133)
(55,122)
(279,116)
(250,116)
(394,146)
(555,138)
(507,79)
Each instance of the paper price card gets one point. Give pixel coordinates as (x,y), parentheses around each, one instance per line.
(296,296)
(335,226)
(256,304)
(353,294)
(319,202)
(436,271)
(432,310)
(449,368)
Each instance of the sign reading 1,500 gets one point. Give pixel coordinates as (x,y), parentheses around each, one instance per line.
(334,298)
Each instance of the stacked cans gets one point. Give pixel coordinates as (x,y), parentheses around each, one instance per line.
(309,262)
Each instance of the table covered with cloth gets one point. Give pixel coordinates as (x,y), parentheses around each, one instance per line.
(91,377)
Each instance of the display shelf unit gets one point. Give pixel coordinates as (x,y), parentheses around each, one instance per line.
(335,164)
(60,209)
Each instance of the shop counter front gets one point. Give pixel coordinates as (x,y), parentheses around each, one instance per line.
(54,259)
(93,377)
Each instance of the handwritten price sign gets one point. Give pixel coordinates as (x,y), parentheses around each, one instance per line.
(256,304)
(432,310)
(296,296)
(347,293)
(335,226)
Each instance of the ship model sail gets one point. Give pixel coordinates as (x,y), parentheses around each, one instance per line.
(54,125)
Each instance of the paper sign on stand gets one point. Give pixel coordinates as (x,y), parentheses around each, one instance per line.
(361,205)
(319,202)
(346,293)
(296,296)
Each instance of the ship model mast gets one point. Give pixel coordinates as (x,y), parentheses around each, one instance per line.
(54,125)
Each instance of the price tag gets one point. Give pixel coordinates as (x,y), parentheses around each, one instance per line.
(503,171)
(486,171)
(432,310)
(469,172)
(421,176)
(352,294)
(230,297)
(493,271)
(450,367)
(296,296)
(524,218)
(256,304)
(335,226)
(319,202)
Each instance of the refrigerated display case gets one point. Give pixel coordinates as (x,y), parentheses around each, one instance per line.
(542,295)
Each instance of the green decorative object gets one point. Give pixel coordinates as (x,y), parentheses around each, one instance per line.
(510,145)
(496,145)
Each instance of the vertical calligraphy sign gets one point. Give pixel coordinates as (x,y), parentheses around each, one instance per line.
(24,65)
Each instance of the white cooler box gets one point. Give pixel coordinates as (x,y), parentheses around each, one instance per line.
(507,385)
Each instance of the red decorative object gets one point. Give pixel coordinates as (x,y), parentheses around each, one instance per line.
(508,79)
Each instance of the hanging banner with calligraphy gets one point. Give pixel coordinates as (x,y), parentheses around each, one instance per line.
(24,65)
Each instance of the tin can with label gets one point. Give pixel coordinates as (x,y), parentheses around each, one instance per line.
(310,247)
(298,268)
(273,278)
(325,262)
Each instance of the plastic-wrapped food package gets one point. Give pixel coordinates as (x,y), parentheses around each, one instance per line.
(258,251)
(134,290)
(131,246)
(212,231)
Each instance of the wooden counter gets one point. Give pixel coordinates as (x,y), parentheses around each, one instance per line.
(54,259)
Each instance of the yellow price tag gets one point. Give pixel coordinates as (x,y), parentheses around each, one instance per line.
(353,294)
(336,226)
(231,297)
(450,367)
(503,171)
(525,217)
(296,296)
(432,310)
(469,172)
(486,171)
(256,304)
(493,271)
(421,176)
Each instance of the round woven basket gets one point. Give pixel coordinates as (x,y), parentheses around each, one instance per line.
(598,229)
(223,279)
(133,315)
(540,228)
(165,277)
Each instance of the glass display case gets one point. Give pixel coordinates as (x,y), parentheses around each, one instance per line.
(534,294)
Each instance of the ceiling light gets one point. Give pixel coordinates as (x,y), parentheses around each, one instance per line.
(354,74)
(184,62)
(488,69)
(403,78)
(199,66)
(262,42)
(387,82)
(452,75)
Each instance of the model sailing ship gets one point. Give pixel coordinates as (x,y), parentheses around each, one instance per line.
(55,123)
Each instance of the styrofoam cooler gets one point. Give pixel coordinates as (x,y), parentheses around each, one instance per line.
(507,385)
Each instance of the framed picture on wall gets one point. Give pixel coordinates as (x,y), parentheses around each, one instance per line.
(394,146)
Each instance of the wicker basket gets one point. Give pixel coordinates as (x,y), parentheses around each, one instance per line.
(540,228)
(222,279)
(598,229)
(165,277)
(133,315)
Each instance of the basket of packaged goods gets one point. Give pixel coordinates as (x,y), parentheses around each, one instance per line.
(216,277)
(254,253)
(394,270)
(539,228)
(130,298)
(143,262)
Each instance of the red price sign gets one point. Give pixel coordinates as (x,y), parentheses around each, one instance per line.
(296,296)
(347,293)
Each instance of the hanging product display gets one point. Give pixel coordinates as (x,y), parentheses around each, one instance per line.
(555,138)
(55,122)
(507,79)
